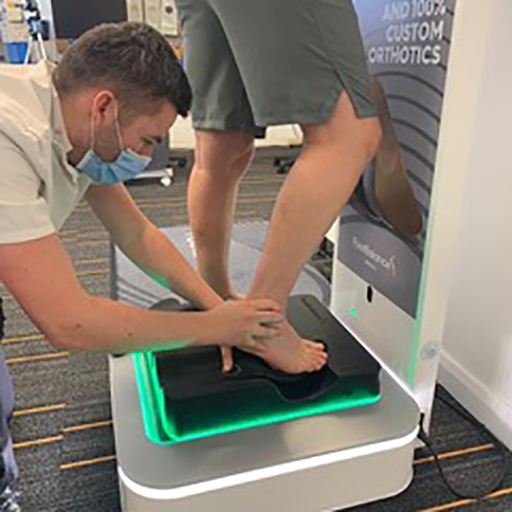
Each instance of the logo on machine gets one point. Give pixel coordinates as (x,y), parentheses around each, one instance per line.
(374,259)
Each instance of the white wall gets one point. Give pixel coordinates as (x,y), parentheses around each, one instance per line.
(46,8)
(477,348)
(182,135)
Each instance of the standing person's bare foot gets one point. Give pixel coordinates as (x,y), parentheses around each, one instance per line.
(287,352)
(290,353)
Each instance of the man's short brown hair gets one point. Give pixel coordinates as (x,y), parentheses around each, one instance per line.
(133,60)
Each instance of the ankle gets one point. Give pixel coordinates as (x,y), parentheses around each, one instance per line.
(217,281)
(231,295)
(225,292)
(262,294)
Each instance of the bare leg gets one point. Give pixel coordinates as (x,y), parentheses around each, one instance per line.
(221,158)
(318,186)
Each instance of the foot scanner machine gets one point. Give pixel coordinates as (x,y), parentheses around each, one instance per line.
(190,438)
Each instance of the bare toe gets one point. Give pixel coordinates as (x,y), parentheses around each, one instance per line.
(291,354)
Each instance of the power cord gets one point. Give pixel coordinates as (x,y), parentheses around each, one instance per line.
(493,486)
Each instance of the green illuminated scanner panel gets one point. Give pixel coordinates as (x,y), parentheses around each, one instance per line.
(185,396)
(167,422)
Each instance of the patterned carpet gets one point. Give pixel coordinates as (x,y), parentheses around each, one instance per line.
(63,429)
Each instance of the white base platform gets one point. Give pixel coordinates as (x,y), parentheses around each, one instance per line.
(323,463)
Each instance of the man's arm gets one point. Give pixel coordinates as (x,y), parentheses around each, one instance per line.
(144,244)
(41,278)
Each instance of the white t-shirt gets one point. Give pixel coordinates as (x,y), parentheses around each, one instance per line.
(38,187)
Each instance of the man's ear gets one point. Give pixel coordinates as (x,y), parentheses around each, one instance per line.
(105,106)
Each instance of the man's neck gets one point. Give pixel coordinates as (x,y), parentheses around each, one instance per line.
(74,110)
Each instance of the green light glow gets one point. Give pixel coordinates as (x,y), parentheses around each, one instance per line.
(159,280)
(352,312)
(162,427)
(278,418)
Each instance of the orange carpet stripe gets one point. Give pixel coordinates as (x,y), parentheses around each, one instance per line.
(92,273)
(38,442)
(84,463)
(89,426)
(467,451)
(42,357)
(463,503)
(21,339)
(90,261)
(39,410)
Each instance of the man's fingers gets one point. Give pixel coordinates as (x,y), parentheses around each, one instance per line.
(270,319)
(227,359)
(272,326)
(264,333)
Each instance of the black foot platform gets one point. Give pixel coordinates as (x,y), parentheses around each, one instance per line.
(198,400)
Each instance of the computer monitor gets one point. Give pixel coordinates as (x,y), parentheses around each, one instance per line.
(72,18)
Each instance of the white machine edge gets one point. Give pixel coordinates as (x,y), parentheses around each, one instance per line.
(260,474)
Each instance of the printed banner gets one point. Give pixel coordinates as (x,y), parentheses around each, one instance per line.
(383,229)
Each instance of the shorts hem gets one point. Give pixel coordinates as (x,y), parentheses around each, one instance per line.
(222,125)
(315,116)
(321,115)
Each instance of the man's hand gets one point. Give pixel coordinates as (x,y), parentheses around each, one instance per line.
(245,324)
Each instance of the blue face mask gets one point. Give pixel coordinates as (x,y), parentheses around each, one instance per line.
(125,167)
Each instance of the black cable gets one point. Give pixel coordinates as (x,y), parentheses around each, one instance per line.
(495,485)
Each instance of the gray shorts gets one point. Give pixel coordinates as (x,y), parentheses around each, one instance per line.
(257,63)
